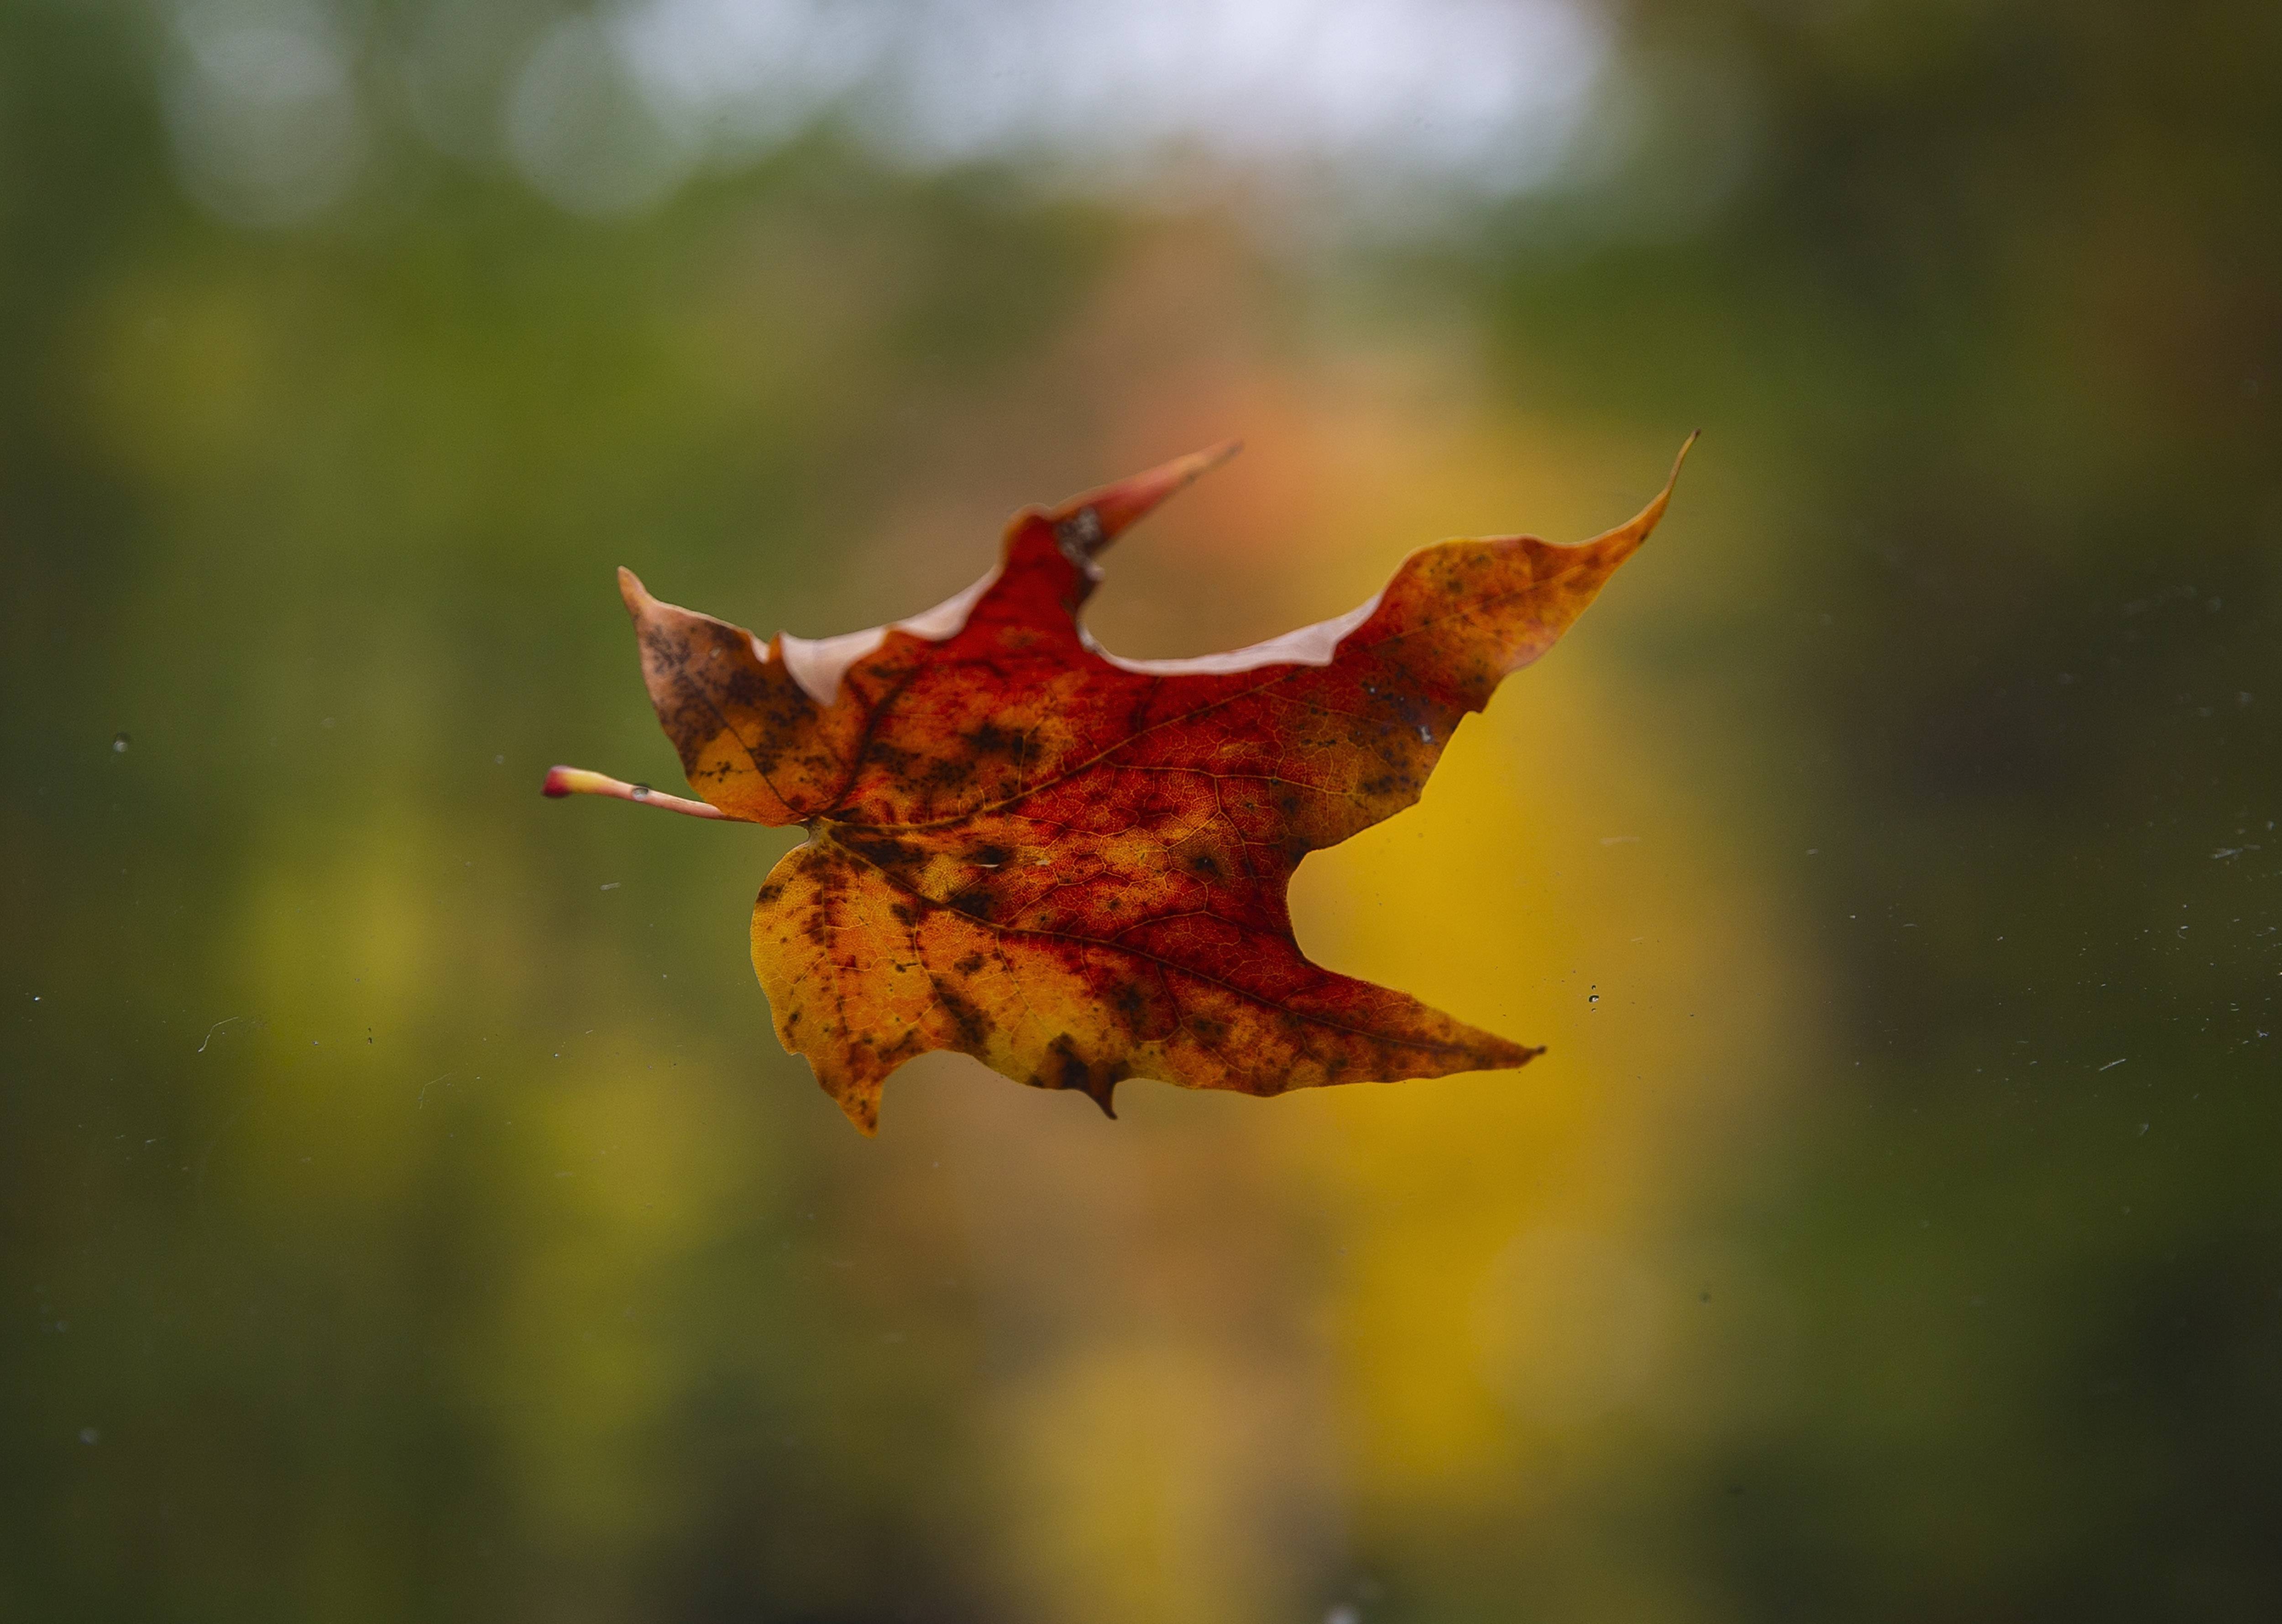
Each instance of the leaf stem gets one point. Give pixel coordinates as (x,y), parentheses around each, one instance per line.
(579,781)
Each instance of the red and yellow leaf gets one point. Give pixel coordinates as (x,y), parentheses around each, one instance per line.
(1073,866)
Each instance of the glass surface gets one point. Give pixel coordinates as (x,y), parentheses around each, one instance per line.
(405,1209)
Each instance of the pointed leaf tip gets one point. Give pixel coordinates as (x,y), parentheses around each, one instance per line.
(1117,507)
(1636,529)
(862,1109)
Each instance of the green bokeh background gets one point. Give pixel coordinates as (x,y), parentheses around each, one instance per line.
(319,1296)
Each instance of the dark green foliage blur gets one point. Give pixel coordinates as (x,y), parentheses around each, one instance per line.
(1982,305)
(2002,299)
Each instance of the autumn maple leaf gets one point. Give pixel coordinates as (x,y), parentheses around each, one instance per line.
(1073,866)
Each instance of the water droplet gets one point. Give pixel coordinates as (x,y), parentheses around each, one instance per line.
(641,792)
(119,743)
(88,1435)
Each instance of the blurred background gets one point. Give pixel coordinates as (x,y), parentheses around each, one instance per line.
(406,1210)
